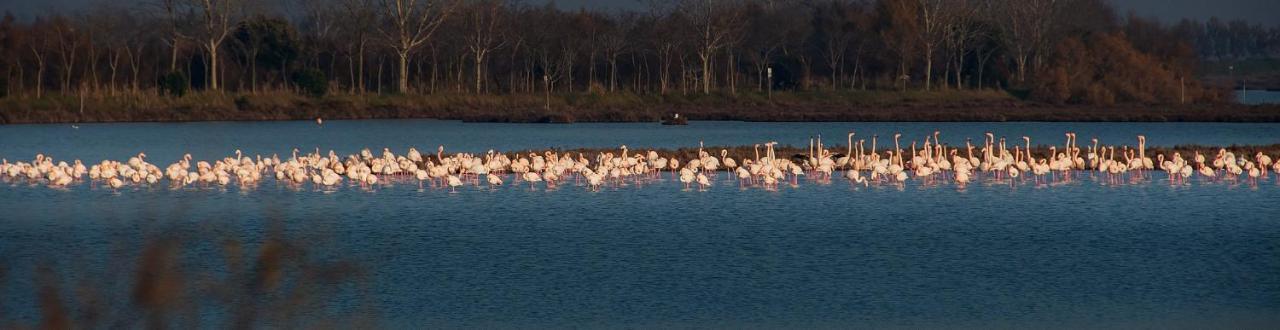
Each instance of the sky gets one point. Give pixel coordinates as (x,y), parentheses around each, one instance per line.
(1259,11)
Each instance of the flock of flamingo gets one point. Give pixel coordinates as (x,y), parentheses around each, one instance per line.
(933,163)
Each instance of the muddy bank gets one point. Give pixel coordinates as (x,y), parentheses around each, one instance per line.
(860,107)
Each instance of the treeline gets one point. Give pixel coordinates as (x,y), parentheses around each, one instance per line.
(1060,51)
(1216,39)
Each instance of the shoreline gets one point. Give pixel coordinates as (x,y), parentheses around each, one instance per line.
(1123,114)
(856,106)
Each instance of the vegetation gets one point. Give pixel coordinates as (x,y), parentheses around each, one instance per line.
(273,282)
(455,55)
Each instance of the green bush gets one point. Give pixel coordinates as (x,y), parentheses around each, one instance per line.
(174,83)
(311,81)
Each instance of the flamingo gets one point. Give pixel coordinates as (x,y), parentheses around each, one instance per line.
(454,182)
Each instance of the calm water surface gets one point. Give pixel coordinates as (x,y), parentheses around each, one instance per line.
(1082,254)
(1258,96)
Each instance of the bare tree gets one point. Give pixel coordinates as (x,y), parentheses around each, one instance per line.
(836,26)
(118,30)
(39,46)
(769,30)
(1024,28)
(615,43)
(218,19)
(68,42)
(962,31)
(714,22)
(175,27)
(407,25)
(935,23)
(483,23)
(664,39)
(358,18)
(900,31)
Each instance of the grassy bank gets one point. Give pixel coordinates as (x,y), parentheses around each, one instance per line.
(617,107)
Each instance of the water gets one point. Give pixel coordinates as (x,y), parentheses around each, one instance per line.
(1258,96)
(1081,254)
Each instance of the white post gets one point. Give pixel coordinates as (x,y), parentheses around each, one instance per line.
(770,83)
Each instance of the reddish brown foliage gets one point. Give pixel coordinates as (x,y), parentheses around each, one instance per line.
(1106,68)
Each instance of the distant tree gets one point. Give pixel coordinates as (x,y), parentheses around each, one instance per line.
(357,21)
(67,44)
(714,22)
(1025,27)
(176,25)
(836,30)
(765,37)
(484,21)
(8,50)
(310,81)
(269,42)
(615,42)
(1055,50)
(407,25)
(960,35)
(900,31)
(936,19)
(218,19)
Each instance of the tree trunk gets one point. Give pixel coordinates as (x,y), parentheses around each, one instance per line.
(39,73)
(253,71)
(479,82)
(403,85)
(213,65)
(173,56)
(381,65)
(706,72)
(360,80)
(115,62)
(613,72)
(928,68)
(1022,67)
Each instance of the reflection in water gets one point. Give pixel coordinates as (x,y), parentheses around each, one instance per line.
(1088,252)
(158,282)
(1093,251)
(1257,96)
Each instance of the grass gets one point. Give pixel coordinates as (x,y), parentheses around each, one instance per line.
(856,105)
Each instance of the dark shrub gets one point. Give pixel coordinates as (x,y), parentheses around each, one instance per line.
(311,81)
(174,83)
(242,102)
